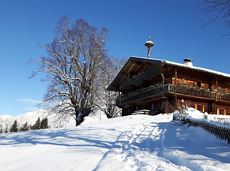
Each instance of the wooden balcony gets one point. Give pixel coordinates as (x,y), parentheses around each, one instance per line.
(190,91)
(138,79)
(146,92)
(162,90)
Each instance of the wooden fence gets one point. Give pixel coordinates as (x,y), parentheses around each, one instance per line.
(220,132)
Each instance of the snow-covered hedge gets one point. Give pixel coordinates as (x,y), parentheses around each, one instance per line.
(218,120)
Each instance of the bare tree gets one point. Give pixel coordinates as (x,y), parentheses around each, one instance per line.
(106,100)
(72,64)
(220,9)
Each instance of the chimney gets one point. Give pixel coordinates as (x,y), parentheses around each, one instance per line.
(188,62)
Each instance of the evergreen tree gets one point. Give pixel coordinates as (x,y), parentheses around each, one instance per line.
(14,127)
(6,129)
(37,125)
(1,129)
(44,123)
(25,127)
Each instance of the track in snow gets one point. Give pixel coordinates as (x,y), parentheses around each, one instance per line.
(138,149)
(128,143)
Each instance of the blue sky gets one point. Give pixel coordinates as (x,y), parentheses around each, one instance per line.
(26,26)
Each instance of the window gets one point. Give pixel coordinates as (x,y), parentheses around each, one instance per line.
(221,111)
(209,107)
(152,106)
(200,107)
(195,106)
(210,85)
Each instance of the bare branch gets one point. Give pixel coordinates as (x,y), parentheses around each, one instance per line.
(73,65)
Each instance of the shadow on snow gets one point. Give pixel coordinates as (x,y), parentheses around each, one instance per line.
(61,137)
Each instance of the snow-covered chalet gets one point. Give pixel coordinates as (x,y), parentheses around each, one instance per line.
(162,86)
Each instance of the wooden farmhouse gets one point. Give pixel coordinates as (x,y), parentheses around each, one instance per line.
(162,86)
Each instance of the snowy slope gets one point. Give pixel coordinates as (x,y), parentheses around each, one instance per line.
(138,142)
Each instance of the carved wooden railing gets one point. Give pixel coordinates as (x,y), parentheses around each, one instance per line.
(223,96)
(192,91)
(160,90)
(199,92)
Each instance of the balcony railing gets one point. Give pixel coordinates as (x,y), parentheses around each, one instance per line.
(138,79)
(161,90)
(140,94)
(192,91)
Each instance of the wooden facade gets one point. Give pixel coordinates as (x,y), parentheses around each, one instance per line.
(161,86)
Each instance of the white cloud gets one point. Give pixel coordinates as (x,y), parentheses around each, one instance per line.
(29,101)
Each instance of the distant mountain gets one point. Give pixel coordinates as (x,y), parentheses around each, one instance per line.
(30,117)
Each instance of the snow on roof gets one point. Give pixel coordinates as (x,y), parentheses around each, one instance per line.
(187,66)
(199,68)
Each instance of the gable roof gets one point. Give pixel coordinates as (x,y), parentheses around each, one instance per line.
(134,59)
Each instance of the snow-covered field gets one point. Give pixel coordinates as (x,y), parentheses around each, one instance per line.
(137,142)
